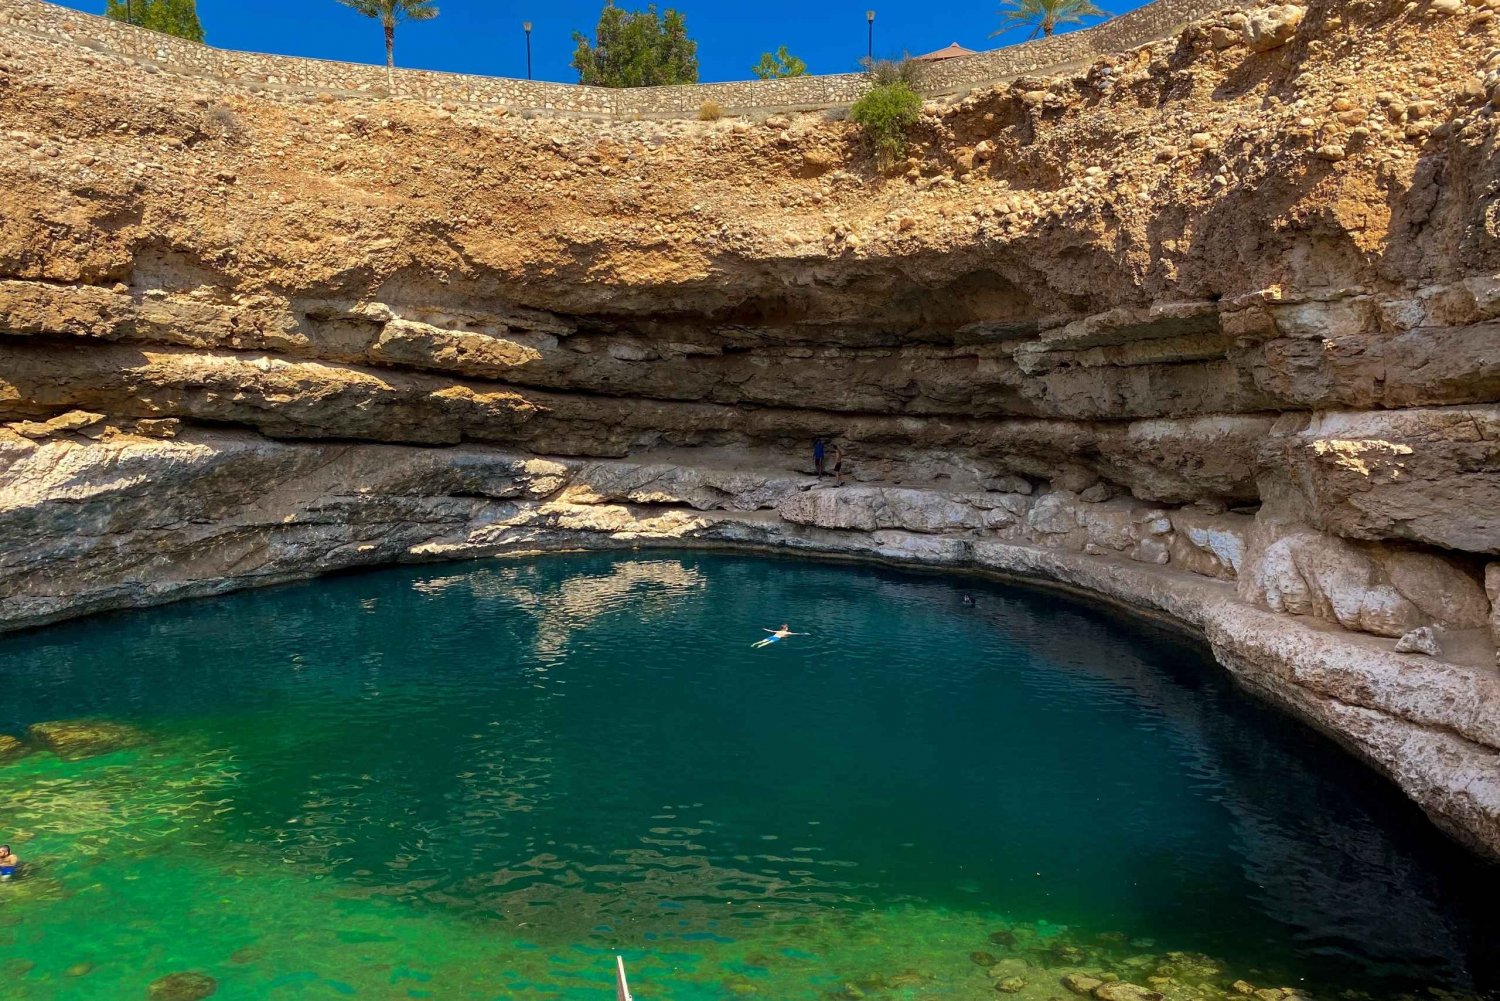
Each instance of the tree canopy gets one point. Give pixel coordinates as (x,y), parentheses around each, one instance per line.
(640,48)
(779,65)
(174,17)
(388,12)
(1043,16)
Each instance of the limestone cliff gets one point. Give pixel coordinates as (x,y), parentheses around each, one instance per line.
(1211,327)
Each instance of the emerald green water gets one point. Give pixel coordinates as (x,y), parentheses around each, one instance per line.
(481,783)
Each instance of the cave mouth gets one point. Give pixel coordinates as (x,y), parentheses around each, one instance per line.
(475,781)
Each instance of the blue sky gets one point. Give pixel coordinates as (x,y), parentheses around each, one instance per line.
(484,36)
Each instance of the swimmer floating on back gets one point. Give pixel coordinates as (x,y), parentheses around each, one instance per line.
(777,634)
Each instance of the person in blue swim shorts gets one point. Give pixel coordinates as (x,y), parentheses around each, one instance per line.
(777,635)
(9,862)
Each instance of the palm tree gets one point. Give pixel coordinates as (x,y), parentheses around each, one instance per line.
(1042,16)
(389,12)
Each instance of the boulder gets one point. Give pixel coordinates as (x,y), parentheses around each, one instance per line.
(1081,984)
(1421,640)
(1369,588)
(1212,545)
(83,738)
(182,987)
(816,163)
(1006,969)
(1272,27)
(1055,514)
(1097,494)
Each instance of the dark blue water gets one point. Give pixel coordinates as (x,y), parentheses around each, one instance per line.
(586,752)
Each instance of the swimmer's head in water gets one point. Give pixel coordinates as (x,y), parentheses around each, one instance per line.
(4,849)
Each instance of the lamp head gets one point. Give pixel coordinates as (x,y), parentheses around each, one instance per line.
(526,27)
(870,15)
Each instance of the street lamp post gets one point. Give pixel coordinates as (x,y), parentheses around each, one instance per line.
(526,26)
(870,17)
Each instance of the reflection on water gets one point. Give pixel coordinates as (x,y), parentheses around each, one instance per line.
(580,754)
(649,588)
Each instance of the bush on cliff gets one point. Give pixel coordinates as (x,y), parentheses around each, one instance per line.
(638,48)
(886,114)
(174,17)
(779,65)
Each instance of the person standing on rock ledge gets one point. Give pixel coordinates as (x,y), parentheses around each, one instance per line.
(9,862)
(818,456)
(838,466)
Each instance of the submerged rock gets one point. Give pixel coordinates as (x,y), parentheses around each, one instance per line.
(1125,992)
(1005,938)
(84,738)
(10,747)
(1081,984)
(1066,952)
(182,987)
(1011,985)
(983,959)
(1008,968)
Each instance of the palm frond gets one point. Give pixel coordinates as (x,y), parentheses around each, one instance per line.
(1039,14)
(394,10)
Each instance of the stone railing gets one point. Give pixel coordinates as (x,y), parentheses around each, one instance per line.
(299,75)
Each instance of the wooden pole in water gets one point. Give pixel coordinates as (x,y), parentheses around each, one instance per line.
(622,988)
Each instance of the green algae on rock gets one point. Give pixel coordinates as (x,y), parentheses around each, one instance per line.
(84,738)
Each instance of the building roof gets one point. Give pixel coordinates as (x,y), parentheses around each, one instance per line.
(950,52)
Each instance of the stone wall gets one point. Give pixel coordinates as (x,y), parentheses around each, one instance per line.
(297,75)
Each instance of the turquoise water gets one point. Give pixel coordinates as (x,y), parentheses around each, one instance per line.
(482,782)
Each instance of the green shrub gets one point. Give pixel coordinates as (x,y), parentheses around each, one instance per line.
(886,114)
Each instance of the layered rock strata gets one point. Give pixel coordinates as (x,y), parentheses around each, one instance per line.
(1211,327)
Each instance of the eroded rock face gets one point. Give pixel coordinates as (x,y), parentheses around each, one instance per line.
(1209,544)
(1492,589)
(121,520)
(1370,588)
(1429,475)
